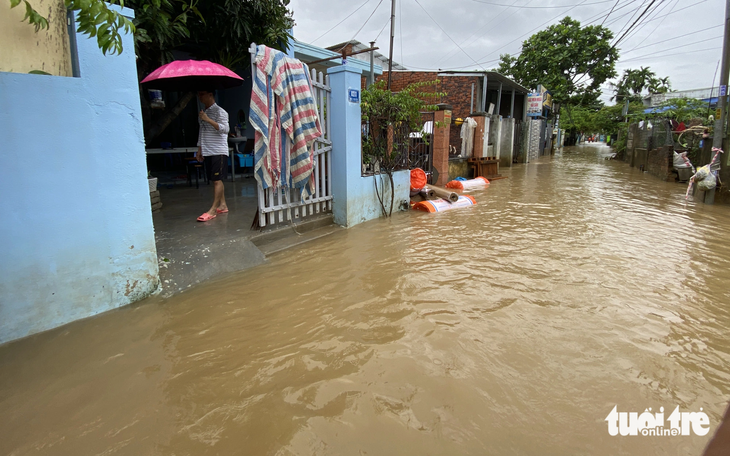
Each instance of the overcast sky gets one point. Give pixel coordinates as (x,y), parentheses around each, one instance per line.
(679,39)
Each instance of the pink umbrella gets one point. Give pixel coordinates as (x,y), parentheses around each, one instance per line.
(185,75)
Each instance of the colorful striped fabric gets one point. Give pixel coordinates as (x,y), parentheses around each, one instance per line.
(282,99)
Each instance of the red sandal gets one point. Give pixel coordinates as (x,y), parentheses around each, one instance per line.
(206,217)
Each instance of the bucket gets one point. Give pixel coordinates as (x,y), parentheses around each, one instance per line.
(156,101)
(418,179)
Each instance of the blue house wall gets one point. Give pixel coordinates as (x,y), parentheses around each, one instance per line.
(355,197)
(77,235)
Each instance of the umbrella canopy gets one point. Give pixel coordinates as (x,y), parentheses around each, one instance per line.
(185,75)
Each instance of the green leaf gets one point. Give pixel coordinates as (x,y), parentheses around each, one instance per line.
(39,72)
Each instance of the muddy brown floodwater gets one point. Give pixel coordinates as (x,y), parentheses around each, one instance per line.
(513,327)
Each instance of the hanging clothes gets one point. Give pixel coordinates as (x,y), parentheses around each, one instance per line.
(467,137)
(285,120)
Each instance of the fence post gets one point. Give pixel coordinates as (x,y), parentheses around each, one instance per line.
(441,143)
(478,151)
(346,138)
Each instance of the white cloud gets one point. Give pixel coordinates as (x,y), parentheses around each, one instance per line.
(485,31)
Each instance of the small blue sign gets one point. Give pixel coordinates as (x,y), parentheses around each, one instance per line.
(723,90)
(354,95)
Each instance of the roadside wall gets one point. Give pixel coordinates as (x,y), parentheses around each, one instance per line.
(23,49)
(355,199)
(77,238)
(660,164)
(506,142)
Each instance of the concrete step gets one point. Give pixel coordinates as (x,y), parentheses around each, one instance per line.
(289,236)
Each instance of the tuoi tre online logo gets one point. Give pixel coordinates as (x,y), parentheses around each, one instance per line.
(654,424)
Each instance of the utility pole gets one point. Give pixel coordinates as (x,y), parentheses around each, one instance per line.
(720,120)
(371,78)
(725,70)
(392,35)
(719,131)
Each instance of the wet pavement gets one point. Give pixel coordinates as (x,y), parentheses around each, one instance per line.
(190,252)
(512,327)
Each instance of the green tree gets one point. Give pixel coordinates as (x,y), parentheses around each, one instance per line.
(391,117)
(684,110)
(93,18)
(633,83)
(569,60)
(230,25)
(578,119)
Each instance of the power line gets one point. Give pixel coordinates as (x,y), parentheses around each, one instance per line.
(660,23)
(381,30)
(613,46)
(632,25)
(651,56)
(609,13)
(615,20)
(442,29)
(541,7)
(676,38)
(656,12)
(676,11)
(343,20)
(599,15)
(531,31)
(518,53)
(450,51)
(363,25)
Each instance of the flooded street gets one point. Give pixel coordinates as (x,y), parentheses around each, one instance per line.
(513,327)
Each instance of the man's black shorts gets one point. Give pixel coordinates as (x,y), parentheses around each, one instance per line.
(216,166)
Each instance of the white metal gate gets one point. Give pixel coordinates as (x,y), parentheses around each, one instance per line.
(284,205)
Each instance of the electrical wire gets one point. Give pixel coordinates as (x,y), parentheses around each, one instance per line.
(597,17)
(540,7)
(450,52)
(662,21)
(638,8)
(651,56)
(442,29)
(381,30)
(675,38)
(632,25)
(363,25)
(609,13)
(533,30)
(656,12)
(343,20)
(519,52)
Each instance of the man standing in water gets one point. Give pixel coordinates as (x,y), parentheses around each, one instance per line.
(213,148)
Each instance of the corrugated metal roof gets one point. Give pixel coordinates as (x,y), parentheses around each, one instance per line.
(493,79)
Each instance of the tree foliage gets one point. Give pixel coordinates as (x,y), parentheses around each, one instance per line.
(93,18)
(230,25)
(633,83)
(391,117)
(569,60)
(162,26)
(217,30)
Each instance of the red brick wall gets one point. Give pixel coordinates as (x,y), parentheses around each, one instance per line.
(457,89)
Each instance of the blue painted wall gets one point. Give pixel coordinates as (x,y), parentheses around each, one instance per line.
(355,200)
(77,236)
